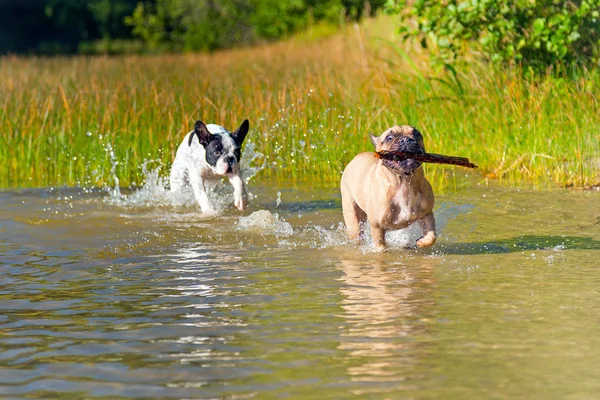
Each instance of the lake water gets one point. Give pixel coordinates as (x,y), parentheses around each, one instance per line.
(136,295)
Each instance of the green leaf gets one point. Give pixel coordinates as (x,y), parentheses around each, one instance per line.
(574,36)
(538,25)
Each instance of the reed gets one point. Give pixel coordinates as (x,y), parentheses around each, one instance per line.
(68,121)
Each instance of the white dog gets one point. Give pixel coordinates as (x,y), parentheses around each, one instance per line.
(210,152)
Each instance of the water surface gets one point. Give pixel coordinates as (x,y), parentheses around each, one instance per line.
(138,296)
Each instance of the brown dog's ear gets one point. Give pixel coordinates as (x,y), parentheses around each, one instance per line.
(374,139)
(204,136)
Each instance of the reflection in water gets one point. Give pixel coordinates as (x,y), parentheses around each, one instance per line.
(143,298)
(384,303)
(196,285)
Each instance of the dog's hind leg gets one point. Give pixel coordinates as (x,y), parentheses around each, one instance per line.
(429,236)
(177,177)
(353,216)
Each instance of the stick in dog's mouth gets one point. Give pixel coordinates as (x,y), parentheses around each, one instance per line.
(425,157)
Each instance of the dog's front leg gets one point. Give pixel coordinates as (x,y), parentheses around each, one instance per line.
(240,197)
(200,193)
(428,225)
(378,234)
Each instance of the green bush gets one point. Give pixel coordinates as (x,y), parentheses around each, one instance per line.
(190,25)
(207,24)
(533,33)
(113,26)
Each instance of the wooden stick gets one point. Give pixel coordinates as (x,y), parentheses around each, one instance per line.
(425,157)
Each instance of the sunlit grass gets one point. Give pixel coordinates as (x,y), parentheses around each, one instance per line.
(310,106)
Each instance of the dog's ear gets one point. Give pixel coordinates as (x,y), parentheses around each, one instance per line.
(241,132)
(201,130)
(374,139)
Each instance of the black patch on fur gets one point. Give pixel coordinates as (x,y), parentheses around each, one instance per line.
(214,150)
(419,138)
(240,134)
(416,134)
(204,136)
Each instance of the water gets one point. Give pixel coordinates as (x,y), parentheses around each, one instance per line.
(136,295)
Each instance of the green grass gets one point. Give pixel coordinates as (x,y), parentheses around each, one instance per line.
(310,106)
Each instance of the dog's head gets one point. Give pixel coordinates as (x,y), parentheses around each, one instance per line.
(400,138)
(223,148)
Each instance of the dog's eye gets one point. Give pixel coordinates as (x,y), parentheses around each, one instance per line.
(388,139)
(217,153)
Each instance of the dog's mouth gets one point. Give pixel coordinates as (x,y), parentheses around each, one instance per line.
(404,167)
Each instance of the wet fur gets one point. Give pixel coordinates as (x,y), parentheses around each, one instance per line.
(210,152)
(389,195)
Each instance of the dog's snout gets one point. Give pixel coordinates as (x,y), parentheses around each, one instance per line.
(231,161)
(406,142)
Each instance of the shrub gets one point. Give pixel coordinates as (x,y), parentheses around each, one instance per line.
(191,25)
(534,33)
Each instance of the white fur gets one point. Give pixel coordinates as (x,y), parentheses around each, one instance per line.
(190,166)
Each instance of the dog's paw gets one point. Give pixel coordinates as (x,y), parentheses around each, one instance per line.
(427,240)
(241,203)
(210,212)
(381,248)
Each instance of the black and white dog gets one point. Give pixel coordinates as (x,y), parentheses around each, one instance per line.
(210,152)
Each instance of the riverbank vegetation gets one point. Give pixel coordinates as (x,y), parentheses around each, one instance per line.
(311,103)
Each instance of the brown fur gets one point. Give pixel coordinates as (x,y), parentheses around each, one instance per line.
(388,197)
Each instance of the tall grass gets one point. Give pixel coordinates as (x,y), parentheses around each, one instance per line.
(310,106)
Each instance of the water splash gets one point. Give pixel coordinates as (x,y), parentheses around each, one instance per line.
(115,191)
(252,162)
(285,235)
(264,222)
(319,237)
(407,238)
(155,191)
(182,206)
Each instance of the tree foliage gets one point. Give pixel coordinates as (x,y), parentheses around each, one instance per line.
(534,33)
(60,26)
(210,24)
(191,24)
(69,26)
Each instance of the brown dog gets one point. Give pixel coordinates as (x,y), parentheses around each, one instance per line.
(389,194)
